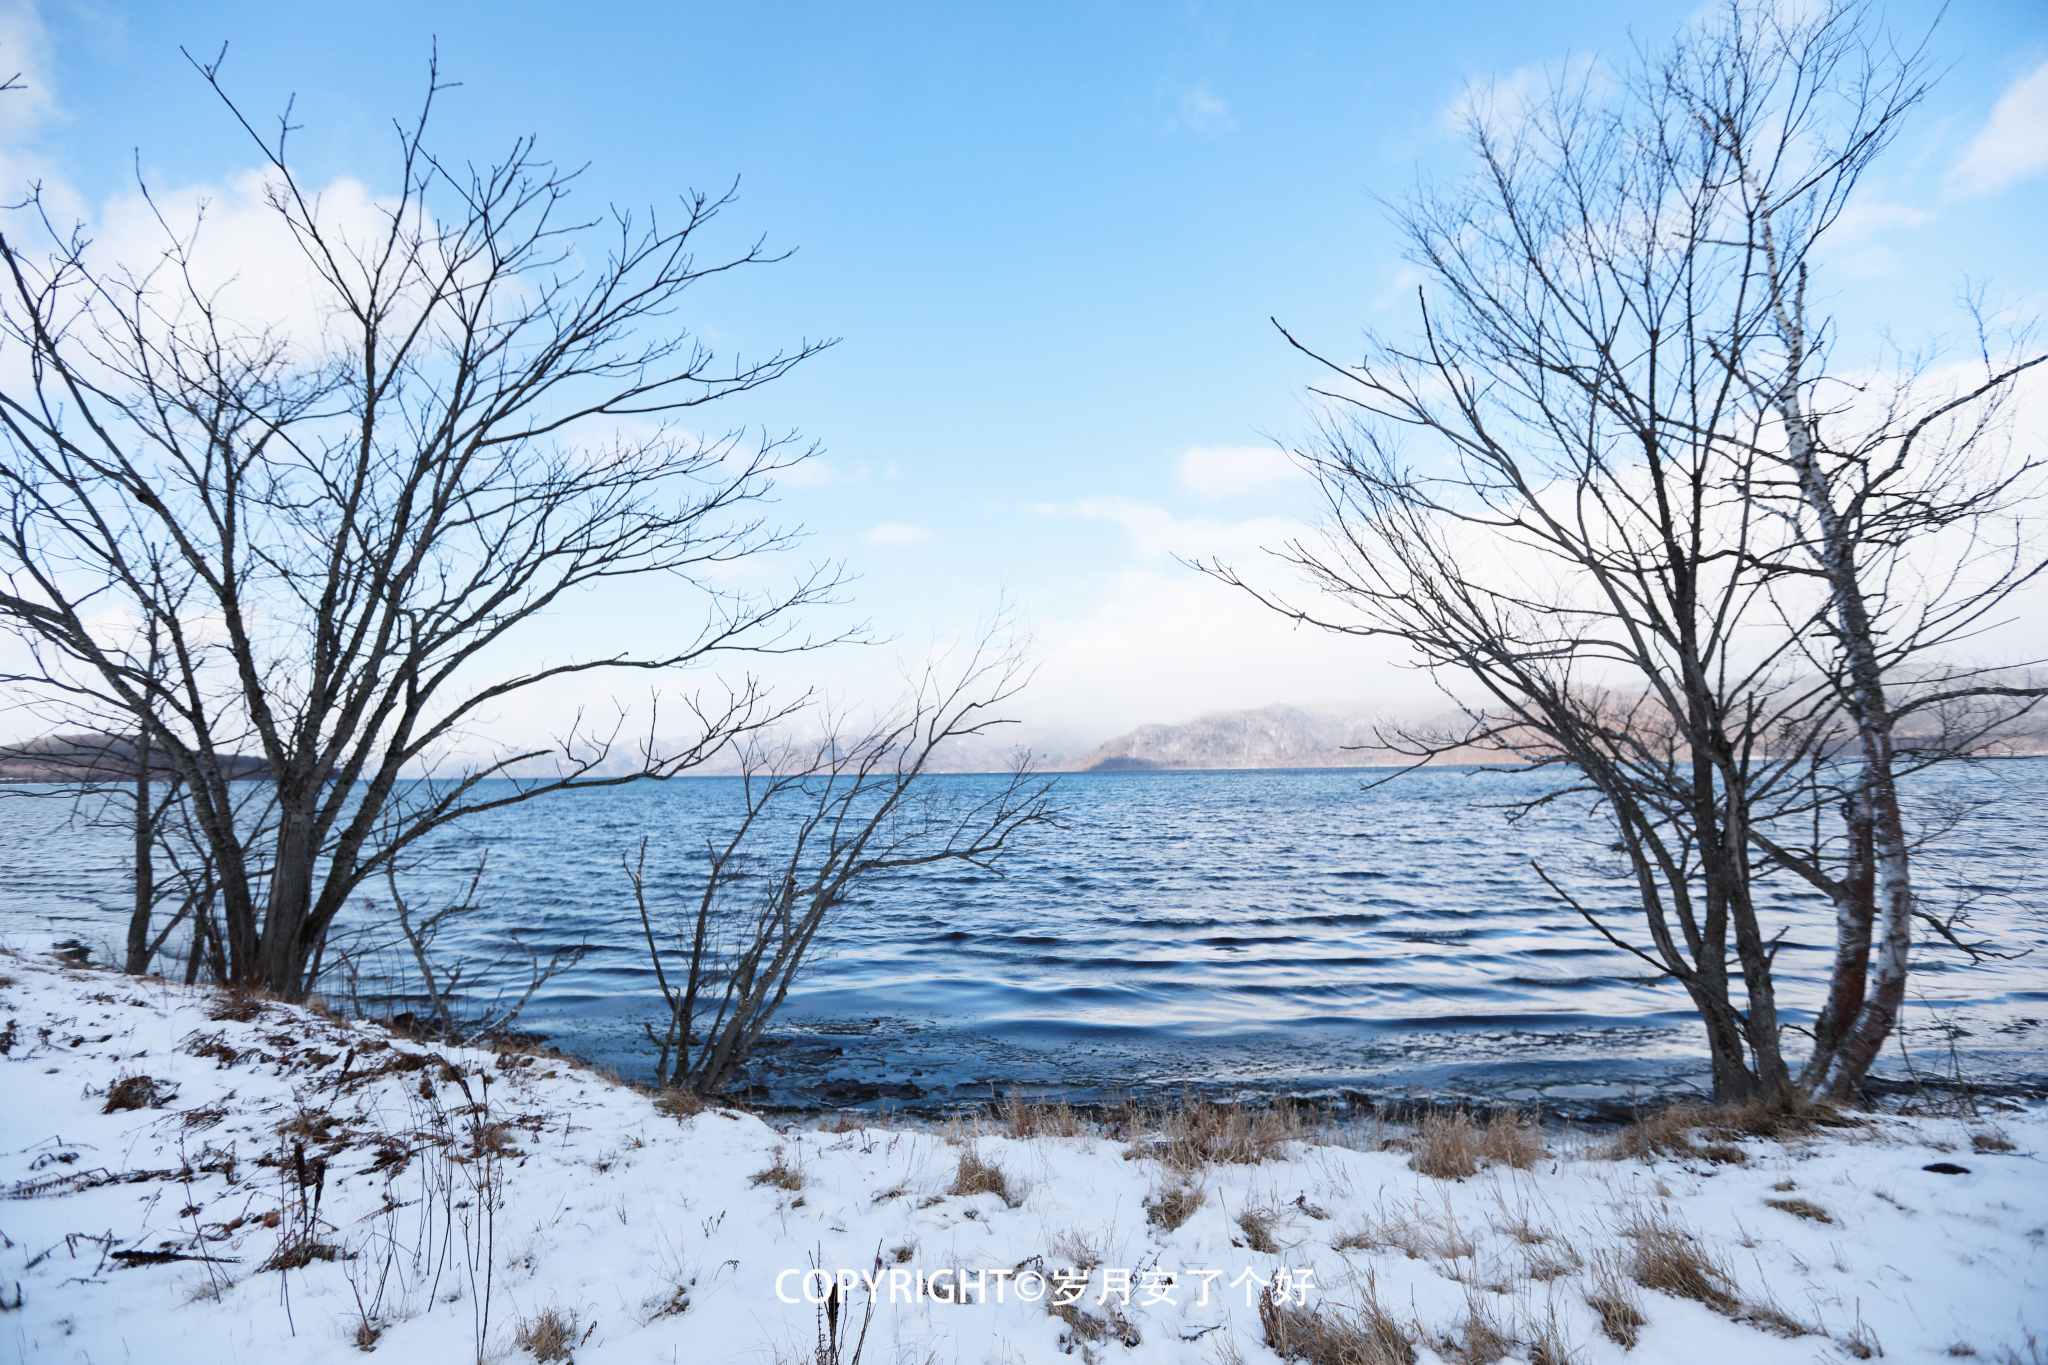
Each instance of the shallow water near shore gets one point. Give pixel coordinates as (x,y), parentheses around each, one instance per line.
(1225,932)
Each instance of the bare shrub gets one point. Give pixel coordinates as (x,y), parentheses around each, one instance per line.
(1170,1208)
(549,1335)
(782,1175)
(976,1176)
(1321,1337)
(1802,1208)
(1670,1260)
(1257,1226)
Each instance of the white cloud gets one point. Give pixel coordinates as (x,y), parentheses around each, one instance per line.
(1202,112)
(2014,143)
(1158,536)
(1219,472)
(895,535)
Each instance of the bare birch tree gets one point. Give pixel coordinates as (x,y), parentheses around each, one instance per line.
(820,824)
(1587,491)
(333,536)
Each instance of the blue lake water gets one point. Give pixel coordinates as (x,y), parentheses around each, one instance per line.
(1240,930)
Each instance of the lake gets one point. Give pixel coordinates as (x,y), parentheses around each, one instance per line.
(1227,931)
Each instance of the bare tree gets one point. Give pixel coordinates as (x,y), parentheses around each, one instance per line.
(1603,536)
(332,535)
(819,824)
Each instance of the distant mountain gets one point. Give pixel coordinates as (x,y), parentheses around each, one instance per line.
(99,758)
(1325,735)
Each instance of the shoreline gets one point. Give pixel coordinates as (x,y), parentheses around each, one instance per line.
(195,1174)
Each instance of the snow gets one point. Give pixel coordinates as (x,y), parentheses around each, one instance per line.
(647,1232)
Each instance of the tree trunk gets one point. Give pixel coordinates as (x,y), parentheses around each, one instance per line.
(145,865)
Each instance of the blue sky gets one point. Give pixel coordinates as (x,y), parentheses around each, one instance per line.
(1050,235)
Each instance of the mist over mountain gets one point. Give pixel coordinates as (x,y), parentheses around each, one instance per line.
(1337,734)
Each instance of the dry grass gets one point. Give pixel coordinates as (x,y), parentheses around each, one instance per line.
(1513,1138)
(680,1104)
(1026,1120)
(781,1175)
(239,1004)
(1319,1337)
(976,1176)
(1170,1208)
(1615,1302)
(135,1092)
(1197,1133)
(1670,1260)
(1480,1340)
(1420,1237)
(1257,1226)
(1990,1140)
(1802,1208)
(1450,1146)
(299,1250)
(1669,1131)
(549,1335)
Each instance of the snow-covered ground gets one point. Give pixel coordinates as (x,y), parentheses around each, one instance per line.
(436,1204)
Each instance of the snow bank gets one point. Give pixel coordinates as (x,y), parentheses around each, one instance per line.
(288,1187)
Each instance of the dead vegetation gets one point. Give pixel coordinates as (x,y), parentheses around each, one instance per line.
(1802,1208)
(1169,1208)
(1257,1227)
(549,1335)
(1988,1140)
(136,1092)
(1322,1336)
(1448,1145)
(1670,1260)
(1671,1130)
(976,1176)
(1023,1119)
(679,1103)
(1615,1302)
(1197,1133)
(781,1175)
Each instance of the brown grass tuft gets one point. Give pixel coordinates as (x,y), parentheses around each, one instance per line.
(1257,1226)
(549,1335)
(239,1004)
(1025,1119)
(679,1104)
(1802,1208)
(298,1250)
(1990,1140)
(781,1175)
(1450,1146)
(135,1092)
(1513,1138)
(1670,1260)
(976,1176)
(1370,1337)
(1197,1132)
(1447,1145)
(1171,1207)
(1669,1132)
